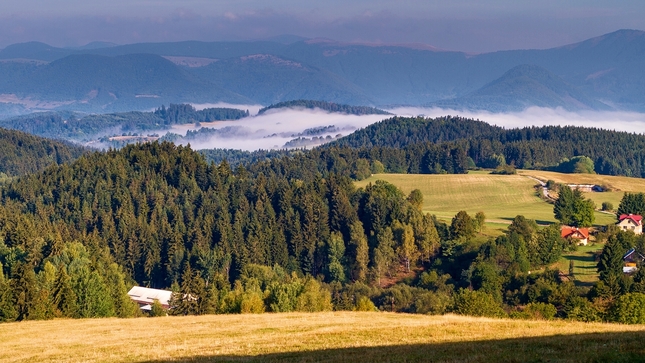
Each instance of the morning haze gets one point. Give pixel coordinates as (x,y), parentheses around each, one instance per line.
(469,25)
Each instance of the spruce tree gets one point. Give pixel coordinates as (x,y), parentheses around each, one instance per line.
(63,296)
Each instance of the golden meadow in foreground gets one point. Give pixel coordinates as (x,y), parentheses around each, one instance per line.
(332,337)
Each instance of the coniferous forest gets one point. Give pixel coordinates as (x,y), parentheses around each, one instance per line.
(291,232)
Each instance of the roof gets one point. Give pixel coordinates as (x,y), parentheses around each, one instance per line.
(573,232)
(633,217)
(145,295)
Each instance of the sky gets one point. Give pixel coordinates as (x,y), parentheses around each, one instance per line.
(474,26)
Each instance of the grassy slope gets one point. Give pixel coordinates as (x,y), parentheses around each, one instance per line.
(500,197)
(331,337)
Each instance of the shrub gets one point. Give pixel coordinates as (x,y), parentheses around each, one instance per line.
(365,304)
(540,311)
(629,309)
(434,303)
(313,298)
(607,206)
(477,303)
(580,309)
(157,309)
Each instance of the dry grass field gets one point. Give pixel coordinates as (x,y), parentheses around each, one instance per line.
(500,197)
(319,337)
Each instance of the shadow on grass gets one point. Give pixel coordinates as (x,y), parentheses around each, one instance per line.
(538,221)
(579,283)
(596,347)
(589,258)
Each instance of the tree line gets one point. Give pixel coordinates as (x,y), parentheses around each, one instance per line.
(326,106)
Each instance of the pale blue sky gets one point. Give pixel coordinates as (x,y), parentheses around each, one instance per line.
(467,25)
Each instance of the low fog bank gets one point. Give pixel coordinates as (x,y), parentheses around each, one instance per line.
(274,129)
(277,129)
(538,116)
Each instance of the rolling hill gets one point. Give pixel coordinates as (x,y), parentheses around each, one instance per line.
(22,153)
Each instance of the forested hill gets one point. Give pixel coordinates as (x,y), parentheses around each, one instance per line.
(613,153)
(75,126)
(21,153)
(326,106)
(159,212)
(402,131)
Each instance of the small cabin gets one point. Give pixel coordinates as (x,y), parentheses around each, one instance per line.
(145,297)
(631,222)
(578,235)
(631,260)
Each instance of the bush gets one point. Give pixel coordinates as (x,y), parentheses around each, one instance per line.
(504,170)
(539,311)
(580,309)
(551,184)
(629,309)
(157,309)
(365,304)
(313,298)
(607,206)
(434,303)
(477,303)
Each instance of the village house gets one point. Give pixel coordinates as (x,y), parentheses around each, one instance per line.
(631,222)
(579,235)
(145,297)
(631,260)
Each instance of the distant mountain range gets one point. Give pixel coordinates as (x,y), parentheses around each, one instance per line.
(601,73)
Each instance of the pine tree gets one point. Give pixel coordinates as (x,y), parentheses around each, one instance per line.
(25,291)
(64,298)
(7,308)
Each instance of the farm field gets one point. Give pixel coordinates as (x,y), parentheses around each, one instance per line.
(315,337)
(500,197)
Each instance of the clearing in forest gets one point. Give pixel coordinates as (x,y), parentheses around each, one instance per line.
(500,197)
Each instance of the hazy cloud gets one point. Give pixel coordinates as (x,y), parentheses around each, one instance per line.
(275,128)
(537,116)
(467,25)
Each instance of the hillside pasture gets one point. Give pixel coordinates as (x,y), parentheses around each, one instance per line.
(618,184)
(500,197)
(319,337)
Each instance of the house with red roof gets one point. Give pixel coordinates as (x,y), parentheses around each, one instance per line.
(579,235)
(631,222)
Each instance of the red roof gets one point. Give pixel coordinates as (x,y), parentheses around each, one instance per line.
(573,232)
(634,217)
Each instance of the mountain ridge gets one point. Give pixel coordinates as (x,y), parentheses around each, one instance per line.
(604,69)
